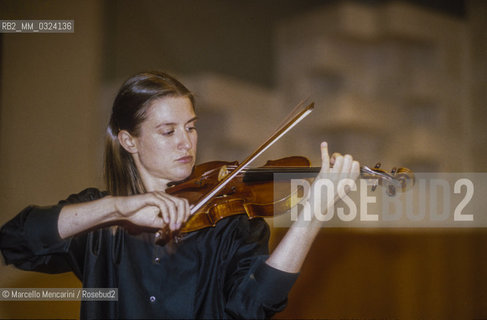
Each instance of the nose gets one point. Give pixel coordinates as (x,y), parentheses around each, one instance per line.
(184,142)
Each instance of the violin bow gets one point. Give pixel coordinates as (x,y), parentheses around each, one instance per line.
(293,119)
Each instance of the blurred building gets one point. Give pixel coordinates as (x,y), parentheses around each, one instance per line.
(390,83)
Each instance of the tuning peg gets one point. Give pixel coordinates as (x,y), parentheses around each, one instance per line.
(377,166)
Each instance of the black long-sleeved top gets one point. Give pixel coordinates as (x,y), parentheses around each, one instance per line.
(212,273)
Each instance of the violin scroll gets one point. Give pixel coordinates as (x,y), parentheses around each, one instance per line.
(401,179)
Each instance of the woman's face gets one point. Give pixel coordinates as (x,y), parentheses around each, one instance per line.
(166,144)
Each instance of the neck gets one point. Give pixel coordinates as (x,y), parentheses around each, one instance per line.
(150,183)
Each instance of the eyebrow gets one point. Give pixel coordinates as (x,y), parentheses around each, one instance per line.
(174,123)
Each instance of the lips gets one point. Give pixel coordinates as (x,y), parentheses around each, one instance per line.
(185,159)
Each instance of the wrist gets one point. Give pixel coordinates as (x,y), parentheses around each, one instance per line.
(116,206)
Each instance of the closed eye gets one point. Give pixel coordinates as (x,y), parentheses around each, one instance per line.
(167,133)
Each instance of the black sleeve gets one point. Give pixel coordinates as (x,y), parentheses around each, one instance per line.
(31,240)
(255,290)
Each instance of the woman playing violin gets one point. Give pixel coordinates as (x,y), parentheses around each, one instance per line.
(109,239)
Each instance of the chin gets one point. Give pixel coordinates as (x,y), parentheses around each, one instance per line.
(183,174)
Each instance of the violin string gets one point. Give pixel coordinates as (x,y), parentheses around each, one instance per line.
(364,170)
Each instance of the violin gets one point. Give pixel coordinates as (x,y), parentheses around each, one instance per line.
(257,193)
(220,189)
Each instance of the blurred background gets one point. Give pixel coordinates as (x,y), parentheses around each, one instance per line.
(401,82)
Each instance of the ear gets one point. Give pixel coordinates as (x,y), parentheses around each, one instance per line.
(127,141)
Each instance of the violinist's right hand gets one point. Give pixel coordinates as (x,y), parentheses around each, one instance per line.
(153,209)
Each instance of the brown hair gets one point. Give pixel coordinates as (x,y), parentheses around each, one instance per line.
(128,112)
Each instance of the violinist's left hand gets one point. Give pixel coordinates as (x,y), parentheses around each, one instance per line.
(289,255)
(336,170)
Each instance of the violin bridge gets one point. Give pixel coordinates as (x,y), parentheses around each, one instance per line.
(223,172)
